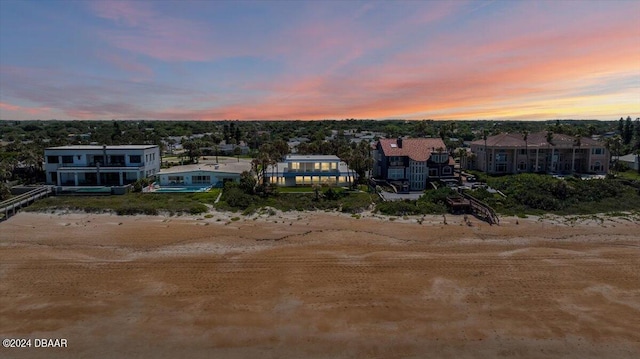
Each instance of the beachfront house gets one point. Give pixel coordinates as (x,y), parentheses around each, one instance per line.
(310,169)
(202,175)
(90,165)
(411,163)
(541,152)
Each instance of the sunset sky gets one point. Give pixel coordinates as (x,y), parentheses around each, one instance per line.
(215,60)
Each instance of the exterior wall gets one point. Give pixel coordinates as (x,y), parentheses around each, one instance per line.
(541,159)
(189,178)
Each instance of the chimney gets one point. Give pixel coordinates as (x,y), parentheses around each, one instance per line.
(399,142)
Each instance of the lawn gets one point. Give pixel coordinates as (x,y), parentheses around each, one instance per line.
(630,175)
(130,203)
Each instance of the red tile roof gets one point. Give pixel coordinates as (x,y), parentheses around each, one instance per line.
(536,139)
(417,149)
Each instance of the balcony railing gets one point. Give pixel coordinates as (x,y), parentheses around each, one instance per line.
(93,164)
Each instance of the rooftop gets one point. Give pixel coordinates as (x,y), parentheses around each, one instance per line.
(230,167)
(98,147)
(417,149)
(536,139)
(312,158)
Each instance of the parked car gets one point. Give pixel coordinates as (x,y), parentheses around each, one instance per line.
(471,178)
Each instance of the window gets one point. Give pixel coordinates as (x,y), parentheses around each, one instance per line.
(446,170)
(523,151)
(501,167)
(522,166)
(501,157)
(295,166)
(176,179)
(396,173)
(597,167)
(52,159)
(201,179)
(67,159)
(118,159)
(433,172)
(135,159)
(597,151)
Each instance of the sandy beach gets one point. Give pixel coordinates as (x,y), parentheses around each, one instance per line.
(320,285)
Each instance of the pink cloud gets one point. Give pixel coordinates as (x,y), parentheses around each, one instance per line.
(15,109)
(126,64)
(146,31)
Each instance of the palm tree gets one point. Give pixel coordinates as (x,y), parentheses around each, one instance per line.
(486,152)
(525,137)
(550,142)
(577,142)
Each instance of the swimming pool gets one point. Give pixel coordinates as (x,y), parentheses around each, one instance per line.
(181,189)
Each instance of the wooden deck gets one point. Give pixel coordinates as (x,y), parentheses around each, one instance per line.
(11,206)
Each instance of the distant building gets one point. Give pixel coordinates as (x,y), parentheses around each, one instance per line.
(410,163)
(310,169)
(631,160)
(83,165)
(509,153)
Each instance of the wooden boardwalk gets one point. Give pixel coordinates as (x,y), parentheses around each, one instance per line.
(481,209)
(11,206)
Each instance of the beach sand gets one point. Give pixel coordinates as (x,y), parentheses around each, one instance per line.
(320,285)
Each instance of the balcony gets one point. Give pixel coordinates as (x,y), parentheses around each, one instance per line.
(102,165)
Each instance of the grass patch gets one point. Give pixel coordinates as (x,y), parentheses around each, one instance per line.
(127,204)
(235,200)
(539,194)
(629,175)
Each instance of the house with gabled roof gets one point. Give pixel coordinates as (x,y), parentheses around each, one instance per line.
(411,163)
(542,152)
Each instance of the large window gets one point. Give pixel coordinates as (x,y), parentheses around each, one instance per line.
(117,160)
(176,179)
(135,159)
(201,179)
(52,159)
(67,159)
(522,166)
(396,173)
(597,151)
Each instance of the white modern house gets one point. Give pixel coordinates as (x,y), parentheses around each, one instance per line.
(309,170)
(82,165)
(202,175)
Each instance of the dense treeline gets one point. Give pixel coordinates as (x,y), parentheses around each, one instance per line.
(255,133)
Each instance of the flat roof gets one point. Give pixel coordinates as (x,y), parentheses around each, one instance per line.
(231,167)
(312,158)
(98,147)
